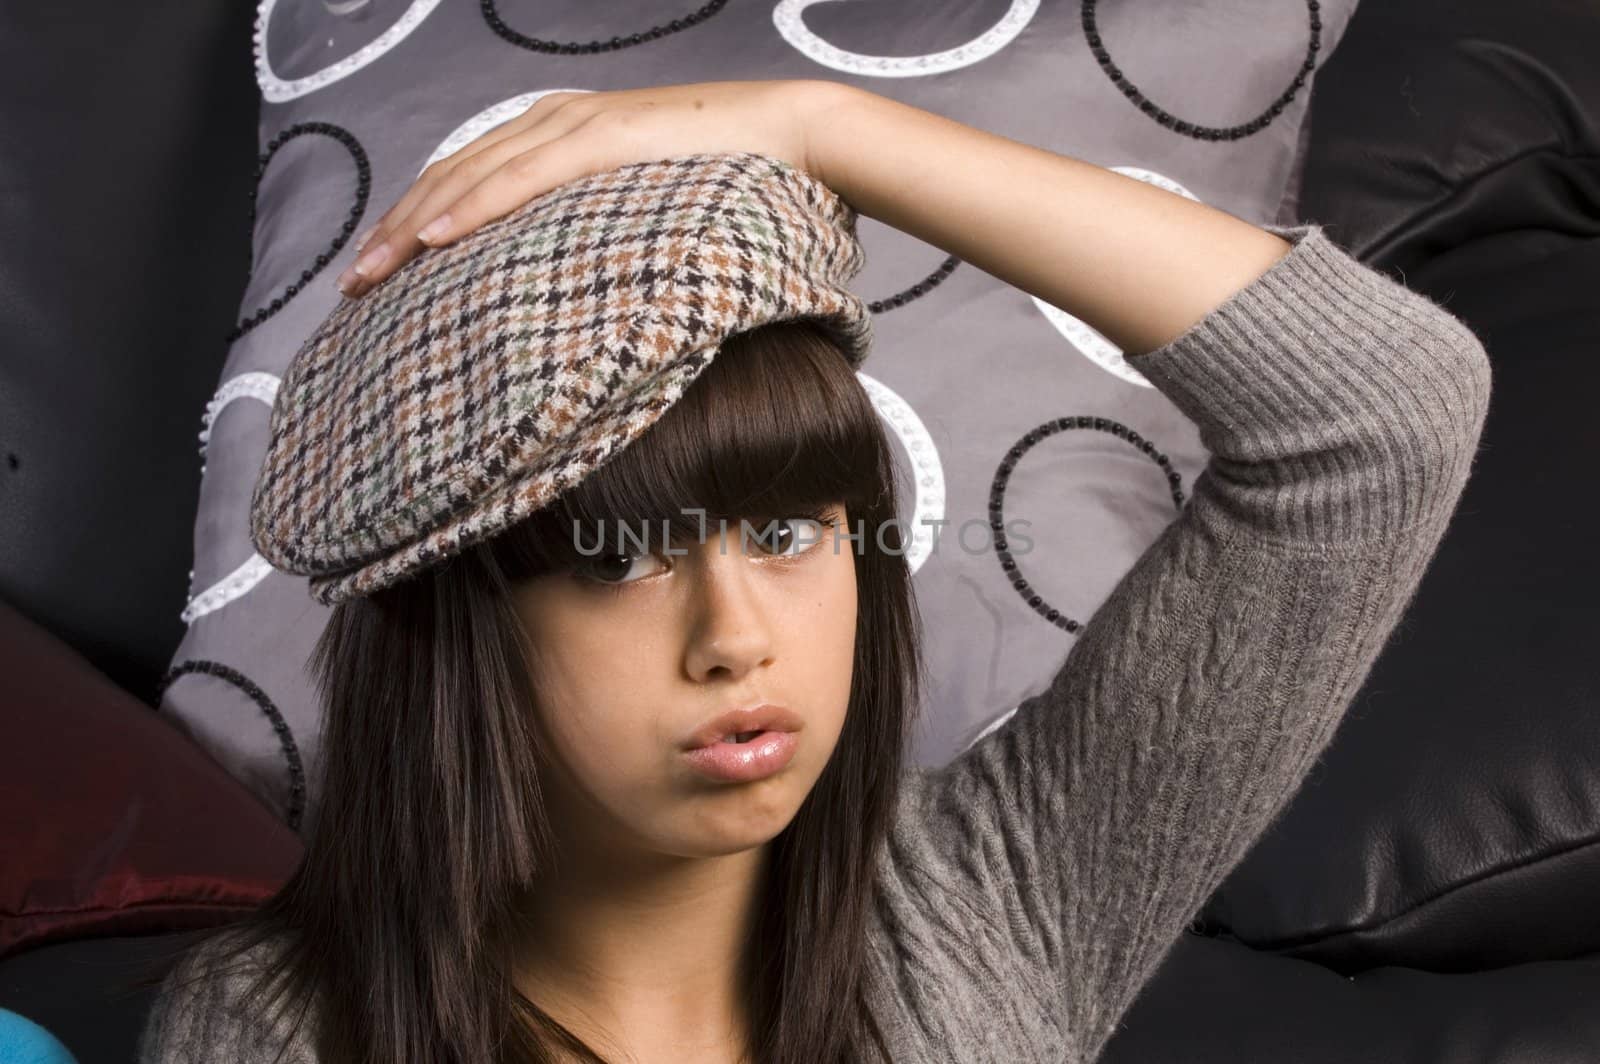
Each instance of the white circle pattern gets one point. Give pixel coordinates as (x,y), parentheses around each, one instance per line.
(263,387)
(927,470)
(788,16)
(276,90)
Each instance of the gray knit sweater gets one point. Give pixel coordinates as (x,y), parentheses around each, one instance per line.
(1031,887)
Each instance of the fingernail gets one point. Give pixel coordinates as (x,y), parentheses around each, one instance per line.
(361,241)
(346,282)
(372,259)
(433,229)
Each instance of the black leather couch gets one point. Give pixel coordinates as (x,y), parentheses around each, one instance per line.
(1432,895)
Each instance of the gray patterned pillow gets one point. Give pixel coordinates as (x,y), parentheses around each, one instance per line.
(1206,98)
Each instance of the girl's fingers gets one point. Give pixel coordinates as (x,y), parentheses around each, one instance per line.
(521,178)
(537,112)
(442,170)
(392,249)
(470,172)
(393,238)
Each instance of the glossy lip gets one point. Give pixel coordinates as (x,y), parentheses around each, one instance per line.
(764,756)
(763,717)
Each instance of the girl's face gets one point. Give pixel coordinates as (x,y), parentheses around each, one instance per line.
(641,650)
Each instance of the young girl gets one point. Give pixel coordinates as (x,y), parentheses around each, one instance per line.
(537,838)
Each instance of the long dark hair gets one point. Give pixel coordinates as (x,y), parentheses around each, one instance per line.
(429,826)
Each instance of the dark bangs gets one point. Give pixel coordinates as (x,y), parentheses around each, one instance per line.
(777,426)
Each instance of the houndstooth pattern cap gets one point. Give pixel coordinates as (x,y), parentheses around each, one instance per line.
(482,379)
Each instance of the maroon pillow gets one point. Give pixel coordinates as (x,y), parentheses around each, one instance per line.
(114,821)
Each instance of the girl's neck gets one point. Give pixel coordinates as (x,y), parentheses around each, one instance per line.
(653,961)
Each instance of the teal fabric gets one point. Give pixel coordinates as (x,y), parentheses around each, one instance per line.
(24,1042)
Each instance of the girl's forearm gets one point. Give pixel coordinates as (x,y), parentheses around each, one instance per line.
(1137,263)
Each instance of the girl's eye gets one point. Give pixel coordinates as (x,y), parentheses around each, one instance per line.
(779,535)
(613,569)
(782,537)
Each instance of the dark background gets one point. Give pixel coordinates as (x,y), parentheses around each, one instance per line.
(1453,145)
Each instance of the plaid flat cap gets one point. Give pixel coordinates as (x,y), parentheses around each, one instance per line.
(482,379)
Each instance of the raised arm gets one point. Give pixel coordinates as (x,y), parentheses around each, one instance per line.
(1342,413)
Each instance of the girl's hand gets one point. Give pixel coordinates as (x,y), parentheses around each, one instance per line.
(568,135)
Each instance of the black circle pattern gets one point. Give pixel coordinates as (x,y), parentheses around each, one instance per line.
(534,44)
(916,291)
(1002,476)
(363,190)
(1091,34)
(291,751)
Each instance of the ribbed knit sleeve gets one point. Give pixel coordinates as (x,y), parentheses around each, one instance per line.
(207,1011)
(1036,883)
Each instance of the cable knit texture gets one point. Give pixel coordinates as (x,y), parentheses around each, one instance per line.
(1032,886)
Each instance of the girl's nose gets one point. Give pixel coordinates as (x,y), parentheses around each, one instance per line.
(730,626)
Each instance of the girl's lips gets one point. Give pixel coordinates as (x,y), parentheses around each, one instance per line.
(763,717)
(733,762)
